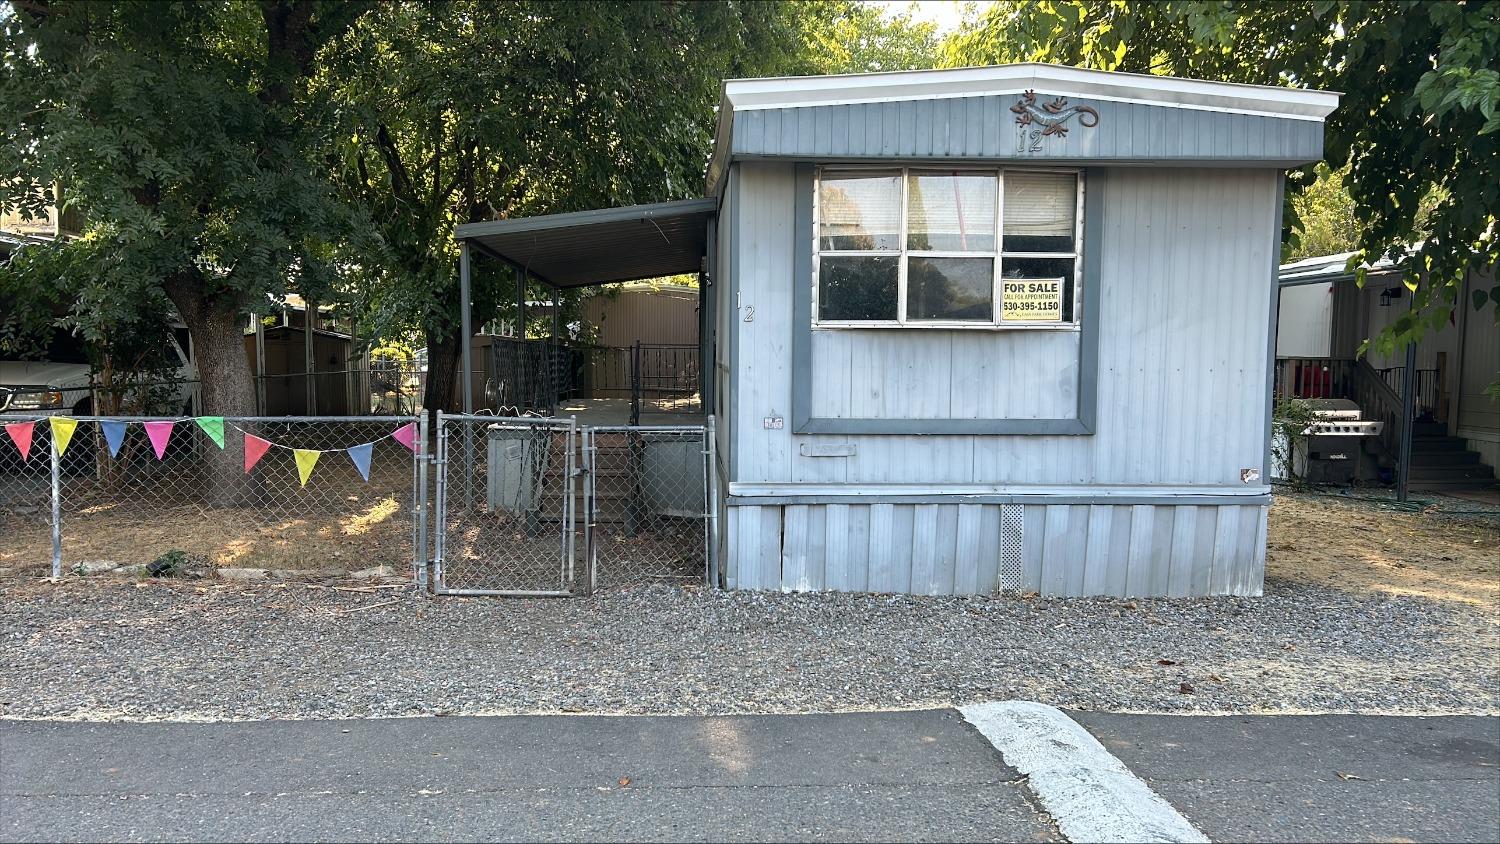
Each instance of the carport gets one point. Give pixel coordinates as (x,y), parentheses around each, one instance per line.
(558,503)
(587,248)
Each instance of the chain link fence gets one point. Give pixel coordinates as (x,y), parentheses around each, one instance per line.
(26,515)
(519,506)
(310,494)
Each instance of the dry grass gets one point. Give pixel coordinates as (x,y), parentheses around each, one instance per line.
(370,533)
(1358,547)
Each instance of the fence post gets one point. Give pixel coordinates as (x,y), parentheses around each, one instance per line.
(635,383)
(570,513)
(56,508)
(419,502)
(589,574)
(440,507)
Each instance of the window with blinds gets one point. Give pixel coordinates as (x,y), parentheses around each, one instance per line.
(931,248)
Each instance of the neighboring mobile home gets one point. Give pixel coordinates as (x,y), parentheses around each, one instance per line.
(1000,327)
(1325,317)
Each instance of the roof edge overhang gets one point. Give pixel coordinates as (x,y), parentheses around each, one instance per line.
(599,246)
(582,219)
(1268,100)
(748,95)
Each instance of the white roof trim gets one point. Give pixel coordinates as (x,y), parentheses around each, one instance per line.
(797,91)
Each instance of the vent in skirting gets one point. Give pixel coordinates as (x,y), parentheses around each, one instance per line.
(1012,540)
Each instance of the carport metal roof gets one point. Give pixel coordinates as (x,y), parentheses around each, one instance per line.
(600,247)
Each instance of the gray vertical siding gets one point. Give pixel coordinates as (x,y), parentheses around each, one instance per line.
(946,374)
(984,127)
(947,549)
(1182,345)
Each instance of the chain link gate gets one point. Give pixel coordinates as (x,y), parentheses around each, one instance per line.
(515,495)
(505,506)
(648,507)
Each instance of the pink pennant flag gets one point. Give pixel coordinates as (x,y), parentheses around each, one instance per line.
(20,434)
(159,432)
(255,449)
(406,435)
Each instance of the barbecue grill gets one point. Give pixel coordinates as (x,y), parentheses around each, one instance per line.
(1331,448)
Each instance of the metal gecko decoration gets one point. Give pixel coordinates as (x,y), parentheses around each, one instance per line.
(1052,117)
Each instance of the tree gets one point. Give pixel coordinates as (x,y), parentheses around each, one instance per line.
(1325,216)
(1416,130)
(51,287)
(853,37)
(462,111)
(181,132)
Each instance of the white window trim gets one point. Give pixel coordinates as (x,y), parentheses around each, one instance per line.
(997,256)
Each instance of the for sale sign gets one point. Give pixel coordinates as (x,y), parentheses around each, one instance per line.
(1031,300)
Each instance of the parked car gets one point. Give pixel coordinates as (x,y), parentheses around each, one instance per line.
(59,382)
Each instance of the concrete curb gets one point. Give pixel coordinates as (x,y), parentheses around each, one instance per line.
(1089,793)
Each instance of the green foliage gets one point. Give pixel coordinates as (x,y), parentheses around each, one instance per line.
(1415,133)
(1327,217)
(170,564)
(1290,419)
(462,111)
(229,153)
(181,132)
(127,334)
(853,37)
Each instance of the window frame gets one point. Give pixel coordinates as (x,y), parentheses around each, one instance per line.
(998,255)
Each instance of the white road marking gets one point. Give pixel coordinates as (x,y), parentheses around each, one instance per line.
(1090,793)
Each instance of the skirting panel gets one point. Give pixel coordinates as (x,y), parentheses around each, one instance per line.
(958,549)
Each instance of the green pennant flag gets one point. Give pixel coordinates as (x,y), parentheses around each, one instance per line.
(214,427)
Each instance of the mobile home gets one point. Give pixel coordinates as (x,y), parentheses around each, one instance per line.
(989,328)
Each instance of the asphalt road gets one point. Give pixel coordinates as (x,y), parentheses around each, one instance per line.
(877,776)
(918,776)
(1317,777)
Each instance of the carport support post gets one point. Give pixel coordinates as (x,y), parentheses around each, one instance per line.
(553,382)
(522,391)
(466,326)
(309,324)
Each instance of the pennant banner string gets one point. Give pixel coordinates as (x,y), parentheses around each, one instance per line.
(159,431)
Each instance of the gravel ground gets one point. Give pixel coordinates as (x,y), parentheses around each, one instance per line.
(120,650)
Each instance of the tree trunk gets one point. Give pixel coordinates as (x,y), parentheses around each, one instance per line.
(224,380)
(442,375)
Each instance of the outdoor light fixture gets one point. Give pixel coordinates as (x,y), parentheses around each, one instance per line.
(1389,295)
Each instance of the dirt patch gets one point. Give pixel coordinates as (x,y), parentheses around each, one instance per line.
(1439,552)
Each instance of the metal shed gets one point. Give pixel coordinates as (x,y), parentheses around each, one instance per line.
(990,328)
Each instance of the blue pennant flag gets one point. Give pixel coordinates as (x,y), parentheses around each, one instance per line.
(360,454)
(114,434)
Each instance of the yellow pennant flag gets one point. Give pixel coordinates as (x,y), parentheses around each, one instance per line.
(307,458)
(62,431)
